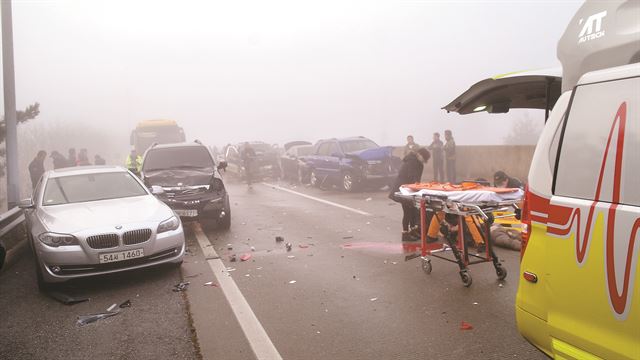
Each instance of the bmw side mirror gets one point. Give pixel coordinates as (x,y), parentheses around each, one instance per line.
(26,204)
(222,165)
(157,190)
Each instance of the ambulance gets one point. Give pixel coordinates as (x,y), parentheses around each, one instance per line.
(579,286)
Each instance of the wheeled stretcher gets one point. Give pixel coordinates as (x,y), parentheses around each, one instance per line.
(450,207)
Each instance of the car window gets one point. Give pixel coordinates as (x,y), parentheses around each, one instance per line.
(91,187)
(304,150)
(333,149)
(589,126)
(357,145)
(324,149)
(177,158)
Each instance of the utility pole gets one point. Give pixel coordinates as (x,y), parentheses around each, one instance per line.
(13,179)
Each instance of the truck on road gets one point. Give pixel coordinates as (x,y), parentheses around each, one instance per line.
(148,132)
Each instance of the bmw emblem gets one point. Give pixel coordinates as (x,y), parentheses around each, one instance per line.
(118,227)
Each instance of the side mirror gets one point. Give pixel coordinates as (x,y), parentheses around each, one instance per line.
(26,204)
(222,165)
(157,190)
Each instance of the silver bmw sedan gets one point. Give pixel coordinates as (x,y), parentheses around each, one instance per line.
(91,220)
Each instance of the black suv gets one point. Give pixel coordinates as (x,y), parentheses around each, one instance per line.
(190,182)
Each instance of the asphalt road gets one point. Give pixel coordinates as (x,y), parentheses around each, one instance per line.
(344,291)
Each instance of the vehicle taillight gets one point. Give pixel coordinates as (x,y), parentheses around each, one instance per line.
(525,219)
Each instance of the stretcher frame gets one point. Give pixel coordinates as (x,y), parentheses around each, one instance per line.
(454,233)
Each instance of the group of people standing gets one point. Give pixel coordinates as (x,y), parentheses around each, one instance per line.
(415,156)
(36,167)
(443,155)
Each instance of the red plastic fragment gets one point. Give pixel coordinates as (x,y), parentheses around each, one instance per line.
(465,326)
(245,257)
(302,246)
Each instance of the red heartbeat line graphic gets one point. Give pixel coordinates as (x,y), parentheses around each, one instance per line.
(561,215)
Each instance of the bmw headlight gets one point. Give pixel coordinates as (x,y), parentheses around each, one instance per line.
(170,224)
(55,239)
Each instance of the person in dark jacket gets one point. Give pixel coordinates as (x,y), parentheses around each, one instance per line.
(436,149)
(410,173)
(450,156)
(248,157)
(36,168)
(72,160)
(502,180)
(59,161)
(83,158)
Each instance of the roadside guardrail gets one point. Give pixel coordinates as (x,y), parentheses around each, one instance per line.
(12,234)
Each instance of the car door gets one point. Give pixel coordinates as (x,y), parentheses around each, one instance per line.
(539,89)
(333,160)
(595,224)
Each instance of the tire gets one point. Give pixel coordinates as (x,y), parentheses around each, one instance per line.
(426,266)
(348,182)
(501,272)
(313,179)
(466,278)
(225,222)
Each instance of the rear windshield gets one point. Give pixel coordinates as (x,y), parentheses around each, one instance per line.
(192,157)
(357,145)
(305,150)
(91,187)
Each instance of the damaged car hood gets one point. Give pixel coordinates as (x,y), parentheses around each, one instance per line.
(379,153)
(71,218)
(179,177)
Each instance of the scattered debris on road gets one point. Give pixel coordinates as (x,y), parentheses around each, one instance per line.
(465,326)
(303,246)
(66,299)
(373,299)
(288,246)
(232,258)
(182,286)
(347,237)
(279,239)
(292,282)
(88,319)
(125,304)
(368,199)
(193,276)
(210,283)
(112,307)
(230,269)
(229,247)
(291,257)
(253,248)
(245,257)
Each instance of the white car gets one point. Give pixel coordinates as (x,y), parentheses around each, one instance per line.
(91,220)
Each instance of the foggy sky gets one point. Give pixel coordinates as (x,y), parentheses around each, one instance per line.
(232,71)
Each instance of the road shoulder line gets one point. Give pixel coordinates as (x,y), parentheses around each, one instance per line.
(327,202)
(257,337)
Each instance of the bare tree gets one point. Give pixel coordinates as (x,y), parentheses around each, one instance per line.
(524,131)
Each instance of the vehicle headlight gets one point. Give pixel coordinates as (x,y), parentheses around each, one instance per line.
(170,224)
(217,185)
(55,240)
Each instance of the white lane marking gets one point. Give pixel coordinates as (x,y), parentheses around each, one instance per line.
(258,339)
(319,200)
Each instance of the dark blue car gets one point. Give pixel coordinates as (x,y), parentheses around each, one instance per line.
(352,164)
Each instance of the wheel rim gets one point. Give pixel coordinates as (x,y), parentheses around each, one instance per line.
(347,182)
(314,179)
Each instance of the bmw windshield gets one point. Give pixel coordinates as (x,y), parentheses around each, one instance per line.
(91,187)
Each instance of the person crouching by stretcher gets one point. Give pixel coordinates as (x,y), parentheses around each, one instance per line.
(410,173)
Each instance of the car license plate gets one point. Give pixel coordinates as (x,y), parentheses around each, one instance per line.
(121,256)
(186,213)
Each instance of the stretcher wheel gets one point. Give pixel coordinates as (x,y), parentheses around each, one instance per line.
(426,266)
(501,272)
(466,278)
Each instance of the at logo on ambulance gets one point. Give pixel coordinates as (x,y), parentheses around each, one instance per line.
(592,28)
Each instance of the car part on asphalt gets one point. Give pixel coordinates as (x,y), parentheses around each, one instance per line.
(181,286)
(66,299)
(88,319)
